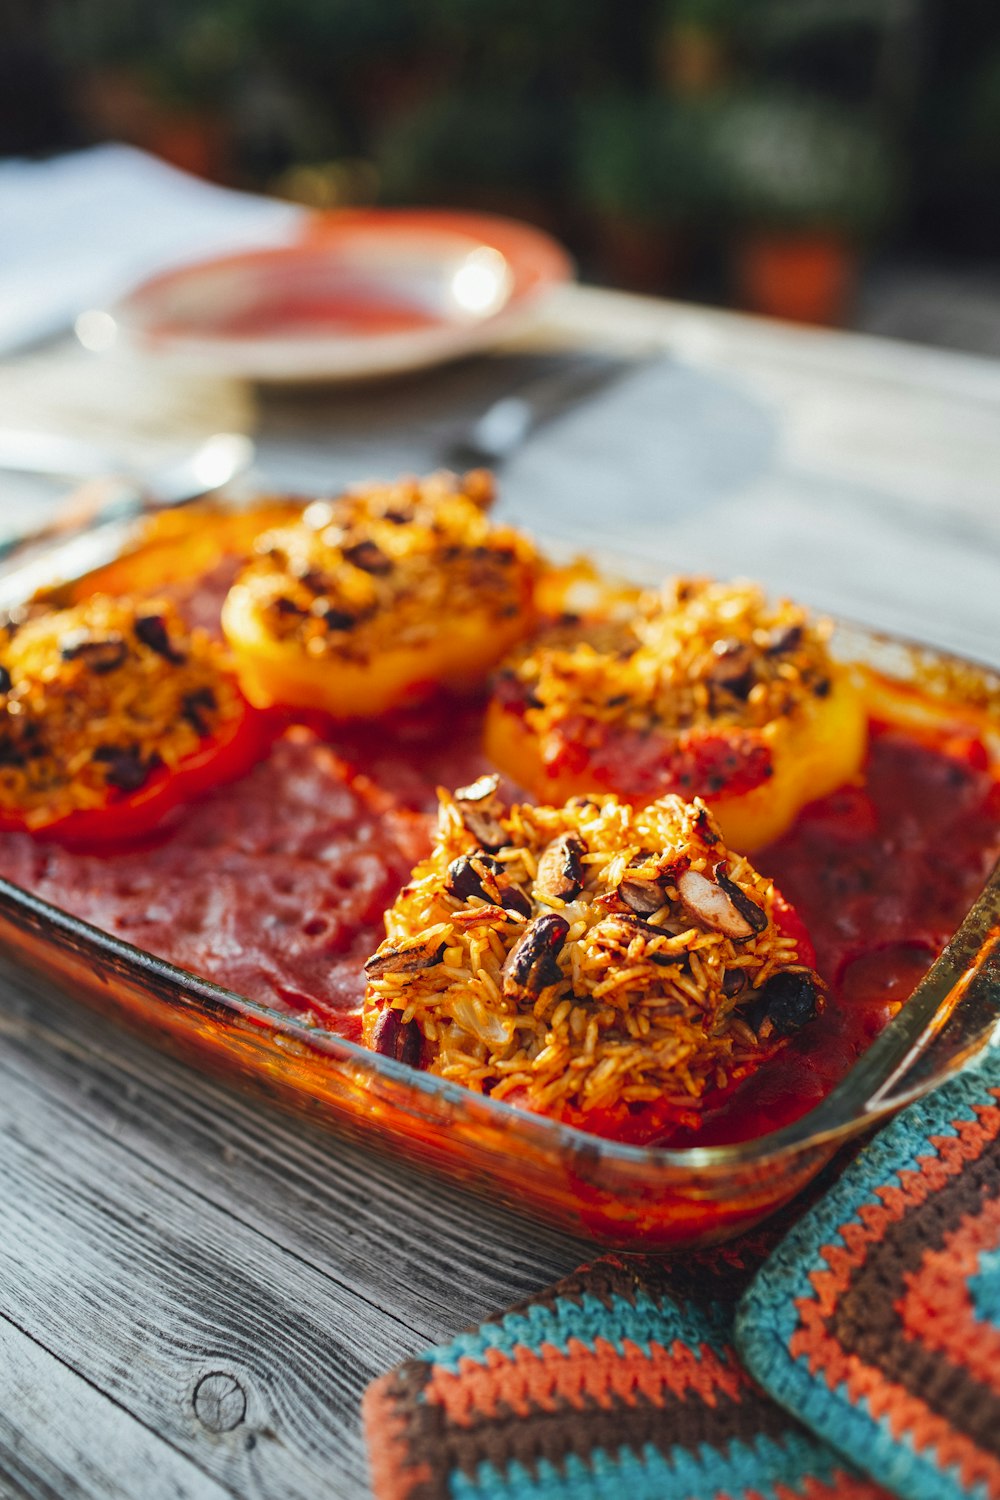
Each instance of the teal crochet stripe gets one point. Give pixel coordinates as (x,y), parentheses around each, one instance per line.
(620,1381)
(896,1150)
(984,1289)
(868,1440)
(894,1240)
(763,1468)
(643,1322)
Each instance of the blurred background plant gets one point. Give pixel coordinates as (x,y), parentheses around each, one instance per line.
(759,153)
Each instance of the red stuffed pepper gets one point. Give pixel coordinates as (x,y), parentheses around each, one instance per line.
(113,714)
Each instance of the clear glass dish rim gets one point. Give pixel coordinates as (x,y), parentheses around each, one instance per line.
(841,1113)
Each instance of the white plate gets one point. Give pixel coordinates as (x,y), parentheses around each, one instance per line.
(360,294)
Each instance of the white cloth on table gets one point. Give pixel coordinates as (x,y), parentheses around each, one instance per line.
(77,230)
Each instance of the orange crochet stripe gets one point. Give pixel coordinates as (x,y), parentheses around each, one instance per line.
(904,1413)
(839,1486)
(937,1308)
(916,1187)
(385,1428)
(547,1378)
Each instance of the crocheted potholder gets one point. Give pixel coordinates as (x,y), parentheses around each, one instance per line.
(620,1380)
(877,1321)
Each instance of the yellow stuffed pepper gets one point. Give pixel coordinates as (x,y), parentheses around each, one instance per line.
(705,689)
(372,601)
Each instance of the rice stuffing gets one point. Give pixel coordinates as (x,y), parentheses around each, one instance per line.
(383,566)
(588,957)
(697,654)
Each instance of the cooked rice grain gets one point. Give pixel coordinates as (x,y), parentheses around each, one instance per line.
(699,653)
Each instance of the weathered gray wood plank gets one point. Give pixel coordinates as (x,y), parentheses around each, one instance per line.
(60,1439)
(144,1289)
(157,1227)
(384,1231)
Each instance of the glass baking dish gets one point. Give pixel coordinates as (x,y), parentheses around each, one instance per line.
(640,1198)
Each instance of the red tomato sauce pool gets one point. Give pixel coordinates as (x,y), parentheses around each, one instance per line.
(275,886)
(881,875)
(349,312)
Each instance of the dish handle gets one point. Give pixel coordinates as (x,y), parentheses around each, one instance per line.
(966,1024)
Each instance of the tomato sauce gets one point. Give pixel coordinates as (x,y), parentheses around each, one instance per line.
(651,765)
(351,308)
(882,875)
(275,885)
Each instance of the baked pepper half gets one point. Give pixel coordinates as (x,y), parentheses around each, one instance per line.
(112,714)
(705,689)
(374,600)
(614,968)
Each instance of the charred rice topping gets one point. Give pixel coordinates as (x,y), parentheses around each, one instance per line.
(382,567)
(96,698)
(585,955)
(697,654)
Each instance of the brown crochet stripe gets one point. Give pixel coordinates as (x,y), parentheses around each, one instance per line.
(608,1278)
(958,1328)
(386,1415)
(719,1274)
(866,1321)
(436,1447)
(415,1446)
(814,1344)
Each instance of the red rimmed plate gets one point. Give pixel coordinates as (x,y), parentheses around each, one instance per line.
(359,294)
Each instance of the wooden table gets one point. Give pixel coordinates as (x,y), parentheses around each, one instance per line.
(194,1287)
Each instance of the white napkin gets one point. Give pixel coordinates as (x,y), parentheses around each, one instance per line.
(78,230)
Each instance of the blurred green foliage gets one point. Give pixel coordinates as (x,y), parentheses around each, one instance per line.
(737,157)
(472,146)
(797,162)
(708,115)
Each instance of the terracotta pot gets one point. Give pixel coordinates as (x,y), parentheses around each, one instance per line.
(804,277)
(692,60)
(117,104)
(195,142)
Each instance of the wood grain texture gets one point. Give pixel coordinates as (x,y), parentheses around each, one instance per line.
(383,1229)
(144,1289)
(60,1439)
(230,1276)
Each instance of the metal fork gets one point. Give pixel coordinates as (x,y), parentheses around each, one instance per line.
(208,467)
(506,424)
